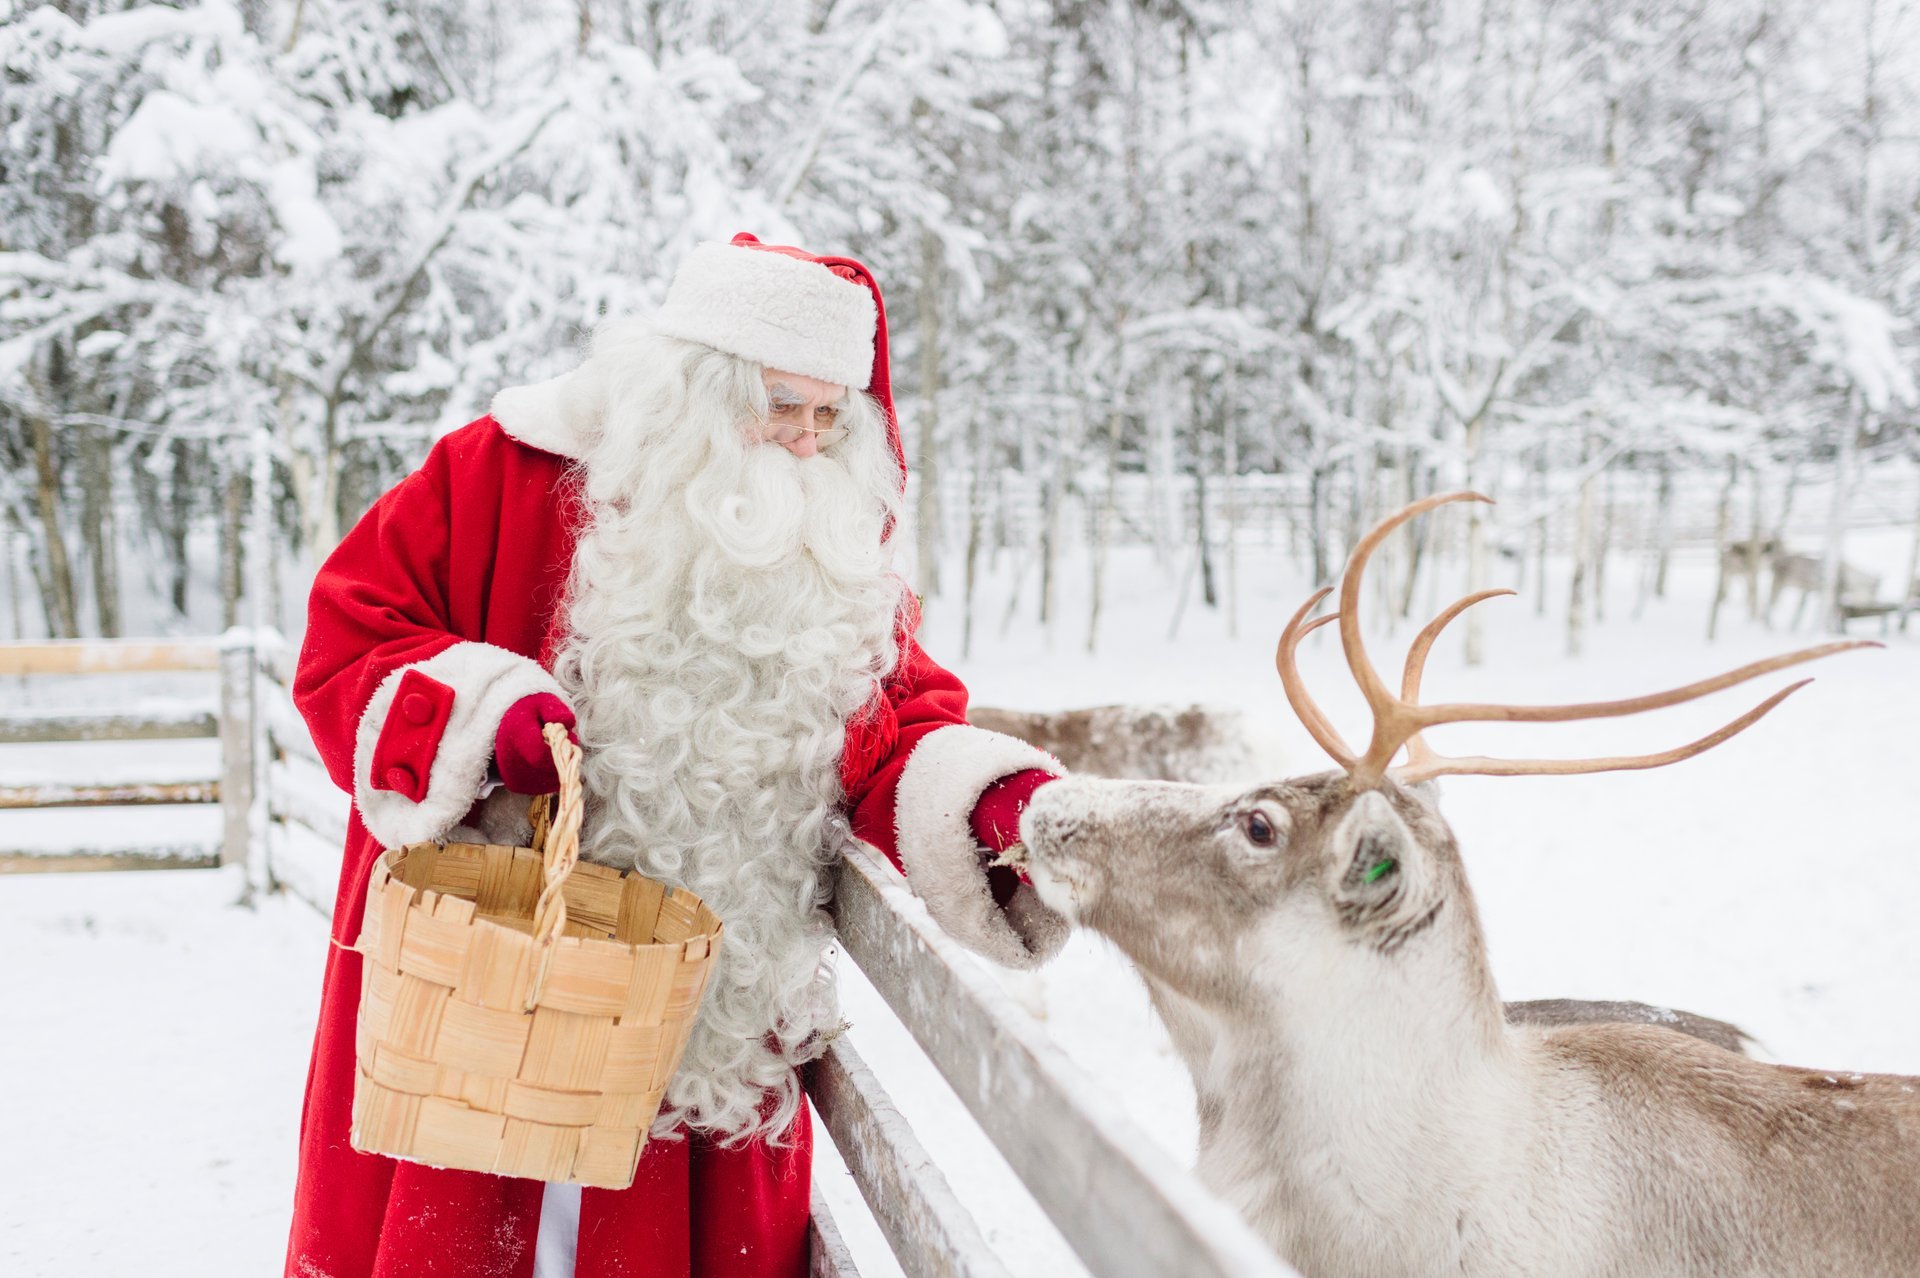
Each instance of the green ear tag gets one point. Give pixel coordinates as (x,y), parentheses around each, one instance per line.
(1379,869)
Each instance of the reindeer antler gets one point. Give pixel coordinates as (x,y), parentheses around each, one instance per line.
(1399,720)
(1296,688)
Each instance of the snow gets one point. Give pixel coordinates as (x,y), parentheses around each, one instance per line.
(1768,883)
(129,32)
(172,138)
(313,238)
(155,1054)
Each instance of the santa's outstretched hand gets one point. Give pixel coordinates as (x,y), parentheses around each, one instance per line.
(996,824)
(520,753)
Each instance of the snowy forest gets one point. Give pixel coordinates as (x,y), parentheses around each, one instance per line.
(1162,272)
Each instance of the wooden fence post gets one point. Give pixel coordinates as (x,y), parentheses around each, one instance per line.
(236,745)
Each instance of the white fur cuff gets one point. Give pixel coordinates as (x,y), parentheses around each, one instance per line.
(944,778)
(485,681)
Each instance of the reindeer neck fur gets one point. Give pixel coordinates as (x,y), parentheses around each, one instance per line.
(1368,1105)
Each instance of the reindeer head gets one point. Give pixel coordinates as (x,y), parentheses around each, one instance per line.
(1188,879)
(1210,888)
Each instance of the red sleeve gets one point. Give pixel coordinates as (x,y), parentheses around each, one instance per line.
(917,800)
(378,603)
(922,696)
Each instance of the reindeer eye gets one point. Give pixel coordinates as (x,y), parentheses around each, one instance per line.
(1258,829)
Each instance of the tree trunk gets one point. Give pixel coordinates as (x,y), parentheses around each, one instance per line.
(1357,493)
(62,616)
(1197,422)
(1788,491)
(1722,521)
(262,576)
(1051,497)
(1476,639)
(17,631)
(1604,547)
(179,513)
(1582,553)
(976,525)
(926,519)
(1317,521)
(1665,535)
(98,529)
(1833,559)
(1419,537)
(1649,555)
(1208,595)
(1542,531)
(1162,477)
(1230,479)
(1908,588)
(1755,535)
(232,556)
(293,28)
(1103,530)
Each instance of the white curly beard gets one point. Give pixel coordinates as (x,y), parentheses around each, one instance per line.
(730,610)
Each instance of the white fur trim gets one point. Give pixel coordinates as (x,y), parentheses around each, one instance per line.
(775,310)
(944,778)
(485,681)
(555,416)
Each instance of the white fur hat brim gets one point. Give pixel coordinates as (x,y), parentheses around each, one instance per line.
(778,311)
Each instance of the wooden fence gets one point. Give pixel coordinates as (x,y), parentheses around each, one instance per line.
(227,718)
(1128,1209)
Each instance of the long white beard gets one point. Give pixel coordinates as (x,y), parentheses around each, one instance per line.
(725,624)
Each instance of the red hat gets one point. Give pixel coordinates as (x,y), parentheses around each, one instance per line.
(782,307)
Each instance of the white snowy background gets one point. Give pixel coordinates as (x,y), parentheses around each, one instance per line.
(1183,294)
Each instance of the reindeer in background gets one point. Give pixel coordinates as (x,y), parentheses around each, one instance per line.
(1314,949)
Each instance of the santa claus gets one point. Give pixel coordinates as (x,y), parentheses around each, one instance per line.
(680,550)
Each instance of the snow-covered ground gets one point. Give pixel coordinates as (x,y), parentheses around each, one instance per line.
(152,1062)
(158,1035)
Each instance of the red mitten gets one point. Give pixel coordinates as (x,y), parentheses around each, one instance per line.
(520,752)
(996,817)
(996,824)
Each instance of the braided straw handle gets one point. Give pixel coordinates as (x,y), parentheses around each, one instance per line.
(559,845)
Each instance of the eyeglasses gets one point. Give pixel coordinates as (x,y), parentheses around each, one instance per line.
(779,432)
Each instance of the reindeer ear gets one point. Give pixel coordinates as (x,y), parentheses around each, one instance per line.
(1371,841)
(1381,866)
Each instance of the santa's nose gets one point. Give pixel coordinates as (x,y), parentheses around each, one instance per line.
(805,446)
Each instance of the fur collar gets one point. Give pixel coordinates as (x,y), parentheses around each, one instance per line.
(554,416)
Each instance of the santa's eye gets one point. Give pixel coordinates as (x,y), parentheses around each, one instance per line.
(1258,829)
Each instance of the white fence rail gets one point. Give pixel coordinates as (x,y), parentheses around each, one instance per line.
(1123,1205)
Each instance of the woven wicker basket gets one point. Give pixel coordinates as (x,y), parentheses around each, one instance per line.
(521,1012)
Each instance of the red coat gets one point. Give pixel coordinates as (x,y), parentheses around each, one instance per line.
(434,614)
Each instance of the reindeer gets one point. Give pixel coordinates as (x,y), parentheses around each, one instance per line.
(1807,574)
(1314,949)
(1164,743)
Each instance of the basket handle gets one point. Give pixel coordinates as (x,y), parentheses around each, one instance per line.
(559,844)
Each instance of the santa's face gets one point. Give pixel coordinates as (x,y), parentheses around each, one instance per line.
(804,414)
